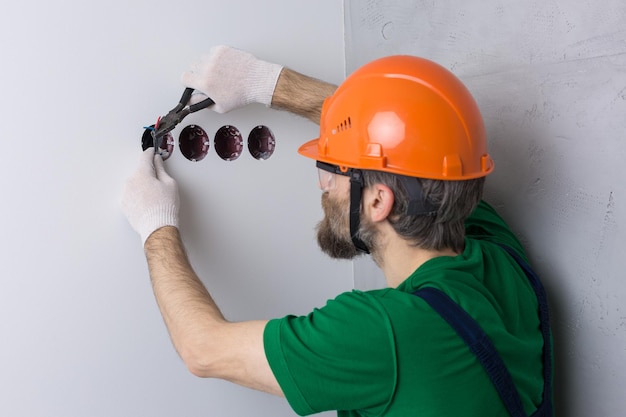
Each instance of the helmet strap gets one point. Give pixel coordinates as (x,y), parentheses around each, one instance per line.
(418,205)
(356,190)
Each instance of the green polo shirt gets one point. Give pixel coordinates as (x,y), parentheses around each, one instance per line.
(387,353)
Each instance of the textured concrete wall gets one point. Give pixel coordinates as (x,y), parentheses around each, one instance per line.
(550,78)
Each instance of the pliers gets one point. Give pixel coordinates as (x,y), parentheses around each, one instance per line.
(176,115)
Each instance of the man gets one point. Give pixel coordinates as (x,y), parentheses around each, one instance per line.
(402,160)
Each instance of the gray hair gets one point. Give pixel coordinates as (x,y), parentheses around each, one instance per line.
(444,230)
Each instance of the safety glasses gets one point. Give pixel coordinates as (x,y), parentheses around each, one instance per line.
(327,174)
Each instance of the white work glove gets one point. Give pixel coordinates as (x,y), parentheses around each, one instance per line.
(150,199)
(232,78)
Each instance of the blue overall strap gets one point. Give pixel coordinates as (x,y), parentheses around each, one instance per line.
(479,343)
(545,409)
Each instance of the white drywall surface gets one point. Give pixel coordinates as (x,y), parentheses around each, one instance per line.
(80,332)
(550,78)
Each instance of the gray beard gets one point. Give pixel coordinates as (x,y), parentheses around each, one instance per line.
(333,235)
(333,232)
(333,244)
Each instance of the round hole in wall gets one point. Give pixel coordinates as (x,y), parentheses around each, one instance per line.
(228,143)
(194,143)
(167,144)
(261,142)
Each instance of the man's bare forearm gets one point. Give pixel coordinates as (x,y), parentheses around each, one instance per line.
(301,94)
(189,311)
(209,345)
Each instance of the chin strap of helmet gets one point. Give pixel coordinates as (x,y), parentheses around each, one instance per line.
(418,205)
(356,189)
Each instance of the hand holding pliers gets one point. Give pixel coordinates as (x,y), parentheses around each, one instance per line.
(176,115)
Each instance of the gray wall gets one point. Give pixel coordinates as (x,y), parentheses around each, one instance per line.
(80,333)
(550,78)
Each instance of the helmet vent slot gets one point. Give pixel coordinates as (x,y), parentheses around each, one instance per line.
(345,125)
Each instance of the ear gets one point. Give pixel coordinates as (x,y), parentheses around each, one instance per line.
(378,200)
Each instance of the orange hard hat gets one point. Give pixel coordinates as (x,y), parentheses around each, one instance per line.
(405,115)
